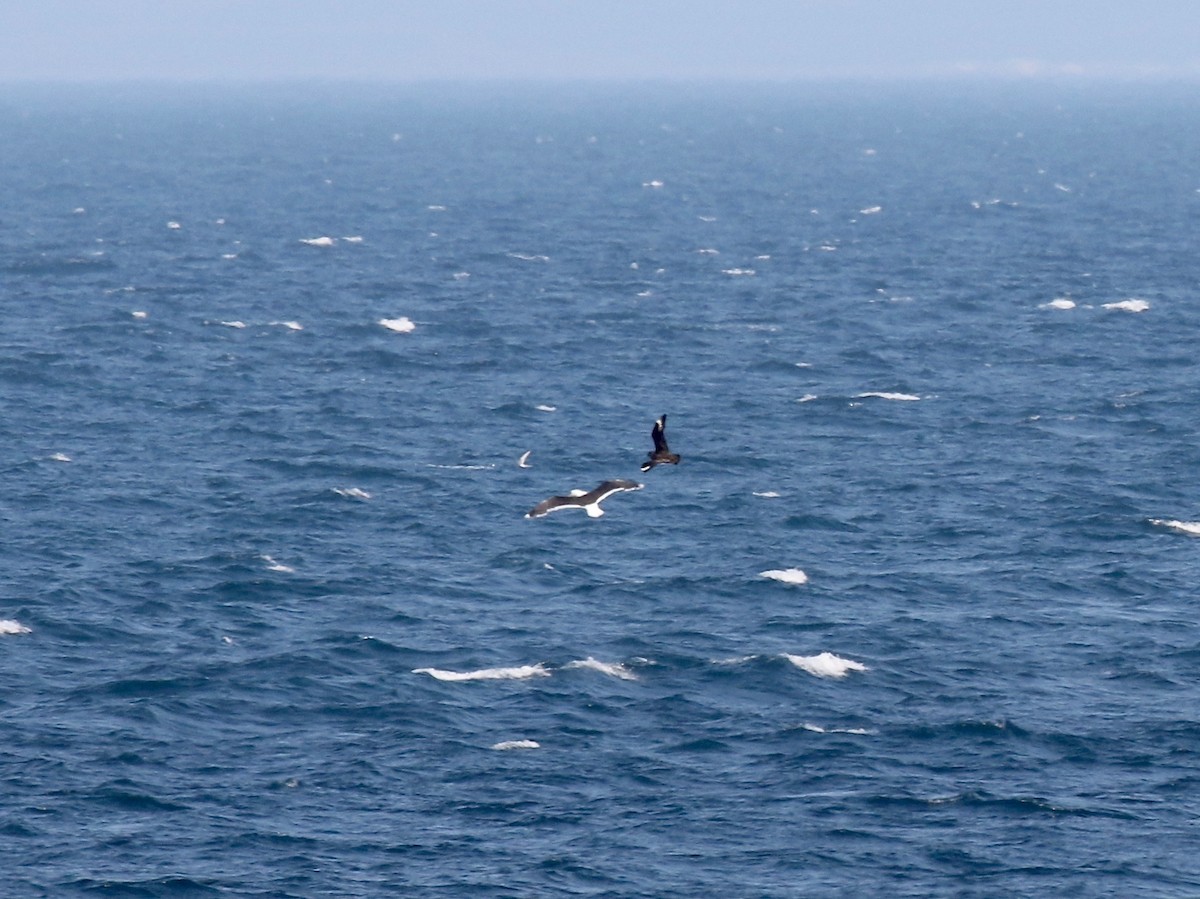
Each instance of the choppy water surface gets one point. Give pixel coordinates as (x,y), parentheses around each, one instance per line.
(914,615)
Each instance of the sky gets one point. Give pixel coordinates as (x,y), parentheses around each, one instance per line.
(555,40)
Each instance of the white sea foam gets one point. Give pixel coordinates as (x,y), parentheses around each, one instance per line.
(507,745)
(352,492)
(318,241)
(871,210)
(174,226)
(738,272)
(139,313)
(856,731)
(59,457)
(807,398)
(708,251)
(291,326)
(766,494)
(785,575)
(1059,303)
(1130,305)
(612,669)
(1184,527)
(354,238)
(528,257)
(520,672)
(735,660)
(461,276)
(8,627)
(547,408)
(655,183)
(825,665)
(401,325)
(895,397)
(273,565)
(233,324)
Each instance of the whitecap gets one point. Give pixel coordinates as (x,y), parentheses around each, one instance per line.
(59,457)
(401,325)
(506,745)
(735,660)
(520,672)
(272,565)
(174,226)
(766,494)
(547,408)
(1059,303)
(708,251)
(9,627)
(825,665)
(738,272)
(436,208)
(612,669)
(854,731)
(895,397)
(461,276)
(1130,305)
(655,183)
(291,326)
(352,492)
(528,257)
(138,313)
(233,324)
(785,575)
(354,238)
(871,210)
(318,241)
(807,398)
(1184,527)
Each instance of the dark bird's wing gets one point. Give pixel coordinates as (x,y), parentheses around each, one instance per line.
(658,435)
(607,488)
(546,506)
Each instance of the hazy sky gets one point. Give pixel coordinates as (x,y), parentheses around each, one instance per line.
(594,39)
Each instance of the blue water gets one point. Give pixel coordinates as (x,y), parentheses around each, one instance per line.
(274,624)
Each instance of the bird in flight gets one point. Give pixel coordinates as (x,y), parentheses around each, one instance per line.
(661,454)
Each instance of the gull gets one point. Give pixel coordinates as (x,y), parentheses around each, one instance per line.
(588,501)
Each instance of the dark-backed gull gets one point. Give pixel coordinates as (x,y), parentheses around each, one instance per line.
(661,454)
(578,499)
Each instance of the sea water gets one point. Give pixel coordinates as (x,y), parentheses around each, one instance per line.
(282,370)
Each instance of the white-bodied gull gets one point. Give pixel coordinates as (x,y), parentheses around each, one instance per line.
(588,501)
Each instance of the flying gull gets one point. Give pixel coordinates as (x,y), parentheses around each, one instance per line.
(578,499)
(661,454)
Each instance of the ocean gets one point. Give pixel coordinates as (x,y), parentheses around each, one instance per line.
(915,614)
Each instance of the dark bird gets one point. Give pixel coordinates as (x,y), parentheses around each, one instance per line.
(661,454)
(578,499)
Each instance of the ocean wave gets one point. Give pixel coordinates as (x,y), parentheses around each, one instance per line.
(520,672)
(825,665)
(1184,527)
(884,395)
(401,325)
(318,241)
(1130,305)
(9,627)
(854,731)
(785,575)
(352,492)
(507,745)
(612,669)
(1059,303)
